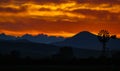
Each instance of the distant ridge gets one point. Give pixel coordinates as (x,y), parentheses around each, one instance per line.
(87,40)
(84,44)
(41,38)
(7,37)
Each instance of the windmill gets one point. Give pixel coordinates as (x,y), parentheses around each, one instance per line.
(103,37)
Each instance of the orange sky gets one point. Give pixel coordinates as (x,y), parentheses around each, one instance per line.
(59,17)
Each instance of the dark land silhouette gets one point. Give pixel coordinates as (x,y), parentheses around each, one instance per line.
(25,52)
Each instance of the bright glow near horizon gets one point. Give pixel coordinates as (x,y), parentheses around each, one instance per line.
(59,17)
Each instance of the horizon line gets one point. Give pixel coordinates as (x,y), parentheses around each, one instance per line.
(62,34)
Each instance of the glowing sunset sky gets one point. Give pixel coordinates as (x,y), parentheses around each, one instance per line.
(59,17)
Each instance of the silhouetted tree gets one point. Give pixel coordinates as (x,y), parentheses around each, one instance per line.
(114,36)
(104,37)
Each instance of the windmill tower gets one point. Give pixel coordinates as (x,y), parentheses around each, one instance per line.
(103,37)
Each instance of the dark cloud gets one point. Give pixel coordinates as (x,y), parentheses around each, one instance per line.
(35,1)
(50,1)
(45,9)
(27,24)
(35,24)
(12,9)
(99,1)
(4,1)
(79,1)
(62,1)
(104,18)
(99,14)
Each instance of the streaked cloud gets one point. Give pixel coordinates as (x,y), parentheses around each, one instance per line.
(53,16)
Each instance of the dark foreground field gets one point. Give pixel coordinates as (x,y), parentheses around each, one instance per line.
(61,67)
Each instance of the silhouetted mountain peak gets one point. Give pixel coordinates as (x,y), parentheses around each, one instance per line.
(41,38)
(42,35)
(7,37)
(84,40)
(27,36)
(2,34)
(83,34)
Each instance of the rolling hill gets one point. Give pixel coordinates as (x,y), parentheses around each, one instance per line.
(27,48)
(87,40)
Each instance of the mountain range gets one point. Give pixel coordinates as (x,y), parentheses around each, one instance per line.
(39,50)
(87,40)
(84,40)
(84,44)
(41,38)
(26,48)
